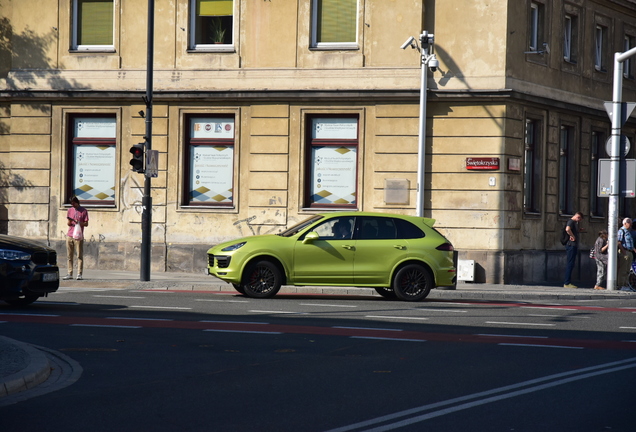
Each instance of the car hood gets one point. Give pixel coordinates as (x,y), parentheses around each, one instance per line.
(19,243)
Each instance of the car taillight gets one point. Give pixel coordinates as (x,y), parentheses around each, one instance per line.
(445,247)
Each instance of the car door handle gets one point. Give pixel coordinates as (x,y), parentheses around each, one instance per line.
(350,247)
(401,247)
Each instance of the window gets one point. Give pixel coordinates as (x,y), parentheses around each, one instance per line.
(211,25)
(332,162)
(629,42)
(536,26)
(209,160)
(570,38)
(532,170)
(567,171)
(335,24)
(596,205)
(599,48)
(93,25)
(92,159)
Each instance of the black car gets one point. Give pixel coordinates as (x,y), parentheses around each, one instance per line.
(28,270)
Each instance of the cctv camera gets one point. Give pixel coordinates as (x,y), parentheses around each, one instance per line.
(433,64)
(409,42)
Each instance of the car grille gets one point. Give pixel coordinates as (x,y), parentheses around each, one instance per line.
(43,258)
(222,261)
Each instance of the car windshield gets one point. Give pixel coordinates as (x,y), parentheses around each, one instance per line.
(299,226)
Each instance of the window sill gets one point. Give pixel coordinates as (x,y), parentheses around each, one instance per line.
(335,47)
(212,49)
(80,50)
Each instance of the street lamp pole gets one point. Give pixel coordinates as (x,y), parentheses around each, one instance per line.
(427,60)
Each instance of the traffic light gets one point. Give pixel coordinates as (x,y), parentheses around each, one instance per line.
(137,161)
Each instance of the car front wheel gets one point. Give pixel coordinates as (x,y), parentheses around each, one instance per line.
(412,283)
(261,280)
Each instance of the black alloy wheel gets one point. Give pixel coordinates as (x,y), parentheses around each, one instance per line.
(412,283)
(262,279)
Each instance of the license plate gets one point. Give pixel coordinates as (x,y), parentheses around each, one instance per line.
(49,277)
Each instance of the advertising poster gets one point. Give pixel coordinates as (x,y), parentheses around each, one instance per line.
(212,174)
(94,177)
(334,175)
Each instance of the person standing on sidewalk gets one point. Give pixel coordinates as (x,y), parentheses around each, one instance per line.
(77,220)
(625,256)
(600,256)
(572,247)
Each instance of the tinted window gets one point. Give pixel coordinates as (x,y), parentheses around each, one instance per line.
(406,230)
(377,229)
(335,229)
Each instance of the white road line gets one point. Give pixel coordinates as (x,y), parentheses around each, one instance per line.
(240,331)
(513,323)
(114,296)
(366,328)
(140,319)
(233,322)
(222,301)
(514,336)
(538,346)
(628,328)
(108,326)
(161,307)
(441,310)
(58,303)
(277,312)
(388,339)
(485,397)
(558,316)
(327,305)
(396,317)
(29,314)
(546,307)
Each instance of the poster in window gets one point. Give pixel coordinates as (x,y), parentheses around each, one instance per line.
(333,177)
(94,176)
(94,127)
(212,128)
(212,174)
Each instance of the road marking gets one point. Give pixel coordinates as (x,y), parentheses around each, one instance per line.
(241,331)
(486,397)
(277,312)
(233,322)
(327,305)
(628,328)
(538,346)
(162,307)
(104,325)
(513,323)
(222,301)
(58,303)
(396,317)
(388,339)
(441,310)
(114,296)
(29,314)
(548,307)
(366,328)
(514,336)
(140,319)
(558,316)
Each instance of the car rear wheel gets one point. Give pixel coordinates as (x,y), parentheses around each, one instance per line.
(412,283)
(22,301)
(386,292)
(261,280)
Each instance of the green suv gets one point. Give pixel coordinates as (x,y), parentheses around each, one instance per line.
(400,256)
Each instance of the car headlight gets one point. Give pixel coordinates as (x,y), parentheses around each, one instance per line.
(233,247)
(14,255)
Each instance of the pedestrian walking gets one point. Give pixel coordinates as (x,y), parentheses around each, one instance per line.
(77,220)
(625,255)
(571,247)
(600,256)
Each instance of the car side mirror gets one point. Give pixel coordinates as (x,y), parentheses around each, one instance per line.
(310,237)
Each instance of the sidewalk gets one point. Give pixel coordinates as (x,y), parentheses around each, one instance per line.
(23,366)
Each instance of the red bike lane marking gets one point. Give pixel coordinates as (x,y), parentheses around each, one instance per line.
(385,334)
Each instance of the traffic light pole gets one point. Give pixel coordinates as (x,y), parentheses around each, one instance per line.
(146,216)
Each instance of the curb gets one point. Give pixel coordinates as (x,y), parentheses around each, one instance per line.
(36,371)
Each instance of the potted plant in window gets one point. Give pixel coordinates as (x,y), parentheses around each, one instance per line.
(217,32)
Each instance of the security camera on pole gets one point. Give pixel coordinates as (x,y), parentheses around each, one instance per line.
(429,59)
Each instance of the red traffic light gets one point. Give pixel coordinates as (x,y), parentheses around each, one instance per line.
(137,161)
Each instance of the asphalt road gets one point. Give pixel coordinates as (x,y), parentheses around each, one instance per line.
(191,361)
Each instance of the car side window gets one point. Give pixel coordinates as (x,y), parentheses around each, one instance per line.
(372,228)
(335,229)
(406,230)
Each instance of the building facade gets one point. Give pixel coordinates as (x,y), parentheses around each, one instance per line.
(266,112)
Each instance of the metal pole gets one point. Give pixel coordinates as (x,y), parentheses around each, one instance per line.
(421,143)
(146,216)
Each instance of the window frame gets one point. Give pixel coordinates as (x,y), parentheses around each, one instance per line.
(600,36)
(567,169)
(311,143)
(71,164)
(629,42)
(537,26)
(189,142)
(597,151)
(533,166)
(571,38)
(75,25)
(193,46)
(317,45)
